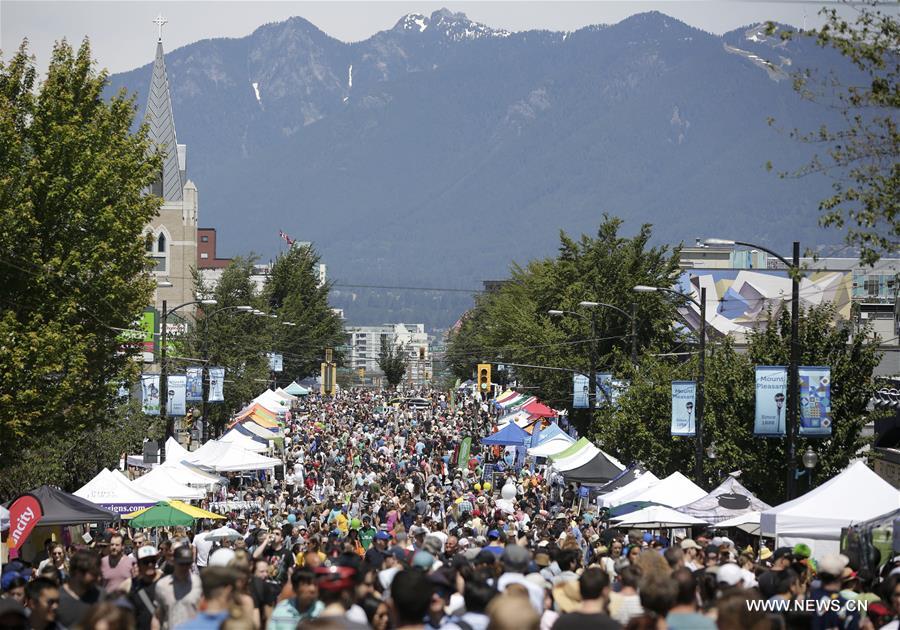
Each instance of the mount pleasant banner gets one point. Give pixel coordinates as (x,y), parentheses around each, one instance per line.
(771,400)
(684,404)
(815,401)
(150,394)
(216,384)
(194,384)
(175,404)
(580,391)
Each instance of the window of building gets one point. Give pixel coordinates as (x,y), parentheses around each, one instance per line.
(148,242)
(161,244)
(204,239)
(160,263)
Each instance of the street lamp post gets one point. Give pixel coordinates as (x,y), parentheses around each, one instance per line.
(810,459)
(794,367)
(164,367)
(701,374)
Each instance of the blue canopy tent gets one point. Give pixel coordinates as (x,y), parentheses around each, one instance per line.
(552,431)
(510,435)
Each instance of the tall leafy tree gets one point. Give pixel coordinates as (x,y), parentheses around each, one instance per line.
(863,155)
(295,294)
(392,360)
(512,325)
(638,428)
(73,273)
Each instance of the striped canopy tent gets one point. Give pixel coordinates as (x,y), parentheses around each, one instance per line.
(515,416)
(259,415)
(251,429)
(509,394)
(516,401)
(579,454)
(273,402)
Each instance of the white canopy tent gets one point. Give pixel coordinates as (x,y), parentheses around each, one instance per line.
(273,402)
(189,475)
(624,494)
(114,491)
(674,491)
(244,441)
(857,494)
(551,447)
(175,452)
(747,522)
(283,394)
(657,517)
(581,453)
(225,457)
(161,481)
(727,500)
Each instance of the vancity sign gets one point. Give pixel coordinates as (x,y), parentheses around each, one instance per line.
(24,514)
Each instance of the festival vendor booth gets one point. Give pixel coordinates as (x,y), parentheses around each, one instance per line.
(162,481)
(113,491)
(673,491)
(540,410)
(625,493)
(510,435)
(296,389)
(224,457)
(656,517)
(816,518)
(728,500)
(64,517)
(246,442)
(747,522)
(168,514)
(185,473)
(551,441)
(580,453)
(273,402)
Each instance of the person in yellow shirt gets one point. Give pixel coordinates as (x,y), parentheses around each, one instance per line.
(342,521)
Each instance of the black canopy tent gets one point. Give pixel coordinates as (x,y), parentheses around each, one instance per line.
(62,508)
(621,480)
(598,470)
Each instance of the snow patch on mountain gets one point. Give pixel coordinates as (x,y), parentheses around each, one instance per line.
(256,91)
(453,26)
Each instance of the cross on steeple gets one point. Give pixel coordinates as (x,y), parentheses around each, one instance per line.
(160,21)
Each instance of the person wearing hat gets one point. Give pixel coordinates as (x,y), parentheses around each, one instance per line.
(781,560)
(177,596)
(691,554)
(139,590)
(765,556)
(515,560)
(336,585)
(832,610)
(376,553)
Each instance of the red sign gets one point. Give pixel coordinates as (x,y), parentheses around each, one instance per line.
(24,514)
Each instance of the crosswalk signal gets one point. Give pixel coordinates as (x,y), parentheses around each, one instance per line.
(484,379)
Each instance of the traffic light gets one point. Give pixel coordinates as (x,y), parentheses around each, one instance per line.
(484,380)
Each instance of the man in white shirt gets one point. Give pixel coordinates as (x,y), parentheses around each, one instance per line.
(202,546)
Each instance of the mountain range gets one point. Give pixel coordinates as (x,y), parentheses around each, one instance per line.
(435,153)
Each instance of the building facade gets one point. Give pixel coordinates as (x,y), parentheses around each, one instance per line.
(171,237)
(365,347)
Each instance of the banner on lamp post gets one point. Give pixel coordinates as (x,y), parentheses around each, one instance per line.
(24,514)
(276,361)
(771,401)
(465,447)
(815,401)
(684,406)
(609,389)
(176,404)
(216,384)
(194,391)
(580,391)
(150,394)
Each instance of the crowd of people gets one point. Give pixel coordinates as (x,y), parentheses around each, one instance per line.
(380,521)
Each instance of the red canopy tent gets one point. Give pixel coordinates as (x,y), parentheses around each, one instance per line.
(540,409)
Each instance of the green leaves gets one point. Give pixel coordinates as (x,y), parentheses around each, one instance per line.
(392,361)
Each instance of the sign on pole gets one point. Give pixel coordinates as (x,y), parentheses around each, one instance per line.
(609,389)
(150,394)
(276,362)
(815,401)
(465,447)
(216,384)
(684,403)
(771,400)
(580,391)
(175,403)
(24,514)
(194,390)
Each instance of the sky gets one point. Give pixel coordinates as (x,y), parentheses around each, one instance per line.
(123,35)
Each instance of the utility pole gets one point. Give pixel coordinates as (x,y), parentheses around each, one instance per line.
(634,339)
(793,375)
(701,395)
(164,377)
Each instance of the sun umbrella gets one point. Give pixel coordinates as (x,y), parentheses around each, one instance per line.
(195,511)
(162,514)
(223,533)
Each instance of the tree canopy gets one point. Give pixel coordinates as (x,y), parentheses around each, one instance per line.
(73,273)
(392,360)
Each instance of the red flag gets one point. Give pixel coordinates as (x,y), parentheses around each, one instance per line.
(24,514)
(287,239)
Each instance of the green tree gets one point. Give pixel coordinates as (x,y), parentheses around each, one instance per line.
(294,293)
(638,430)
(73,272)
(392,360)
(864,153)
(233,339)
(512,325)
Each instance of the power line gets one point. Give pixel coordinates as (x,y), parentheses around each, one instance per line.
(405,288)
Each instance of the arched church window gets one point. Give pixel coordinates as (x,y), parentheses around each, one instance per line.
(161,244)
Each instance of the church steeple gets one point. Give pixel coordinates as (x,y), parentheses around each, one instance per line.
(162,126)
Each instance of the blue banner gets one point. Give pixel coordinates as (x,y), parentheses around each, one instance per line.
(771,401)
(580,393)
(150,394)
(194,384)
(684,405)
(815,401)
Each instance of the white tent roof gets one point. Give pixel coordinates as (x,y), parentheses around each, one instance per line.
(113,488)
(856,494)
(189,475)
(175,452)
(748,522)
(283,394)
(729,499)
(260,431)
(244,441)
(272,401)
(223,457)
(657,516)
(551,447)
(624,494)
(161,481)
(675,490)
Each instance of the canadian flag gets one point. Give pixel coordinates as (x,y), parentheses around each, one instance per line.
(287,239)
(24,514)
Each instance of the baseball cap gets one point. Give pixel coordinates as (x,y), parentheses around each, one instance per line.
(730,574)
(335,578)
(493,534)
(147,551)
(689,543)
(782,552)
(833,564)
(423,560)
(485,557)
(220,557)
(382,535)
(183,555)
